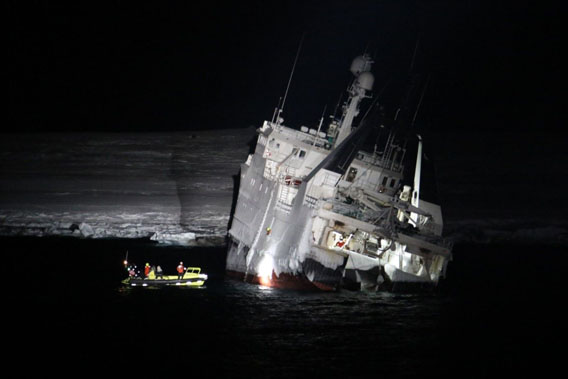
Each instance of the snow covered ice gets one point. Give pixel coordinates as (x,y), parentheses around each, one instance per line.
(172,187)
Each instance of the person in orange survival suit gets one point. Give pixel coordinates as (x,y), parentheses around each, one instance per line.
(146,270)
(180,270)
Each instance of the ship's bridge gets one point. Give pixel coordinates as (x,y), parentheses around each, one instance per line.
(290,152)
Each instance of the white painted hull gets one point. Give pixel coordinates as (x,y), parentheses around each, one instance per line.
(271,245)
(276,241)
(316,208)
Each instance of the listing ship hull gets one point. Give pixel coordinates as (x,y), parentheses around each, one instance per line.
(314,210)
(286,255)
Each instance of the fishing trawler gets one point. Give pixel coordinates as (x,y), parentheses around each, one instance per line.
(315,209)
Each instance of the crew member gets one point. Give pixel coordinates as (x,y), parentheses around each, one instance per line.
(147,270)
(159,273)
(180,270)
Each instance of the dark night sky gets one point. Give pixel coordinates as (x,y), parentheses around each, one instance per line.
(136,66)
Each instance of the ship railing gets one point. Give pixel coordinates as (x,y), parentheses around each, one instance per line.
(386,165)
(307,138)
(310,201)
(353,210)
(330,180)
(345,209)
(268,174)
(378,161)
(284,196)
(284,179)
(286,208)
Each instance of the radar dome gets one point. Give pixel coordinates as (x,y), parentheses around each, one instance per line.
(366,80)
(360,64)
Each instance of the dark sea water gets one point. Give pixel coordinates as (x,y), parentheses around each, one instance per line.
(497,313)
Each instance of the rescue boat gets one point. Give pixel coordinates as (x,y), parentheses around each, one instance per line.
(192,277)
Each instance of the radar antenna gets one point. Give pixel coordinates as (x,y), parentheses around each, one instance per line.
(279,119)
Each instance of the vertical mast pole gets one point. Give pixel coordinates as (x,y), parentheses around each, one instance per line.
(415,201)
(290,79)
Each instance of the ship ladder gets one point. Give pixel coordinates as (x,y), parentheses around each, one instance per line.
(284,192)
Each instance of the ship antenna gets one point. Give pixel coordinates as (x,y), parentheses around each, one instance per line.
(414,54)
(319,126)
(337,105)
(276,110)
(420,101)
(290,79)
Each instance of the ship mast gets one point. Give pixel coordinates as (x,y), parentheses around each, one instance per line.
(362,83)
(415,201)
(279,119)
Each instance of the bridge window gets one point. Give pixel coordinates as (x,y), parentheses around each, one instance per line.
(352,174)
(393,181)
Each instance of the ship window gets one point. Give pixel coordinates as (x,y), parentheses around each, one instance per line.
(302,154)
(352,174)
(393,181)
(385,180)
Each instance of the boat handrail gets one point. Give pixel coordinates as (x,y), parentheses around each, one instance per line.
(193,270)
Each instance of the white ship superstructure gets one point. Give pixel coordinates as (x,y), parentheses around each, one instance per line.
(315,210)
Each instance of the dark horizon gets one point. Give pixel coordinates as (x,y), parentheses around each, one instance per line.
(130,67)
